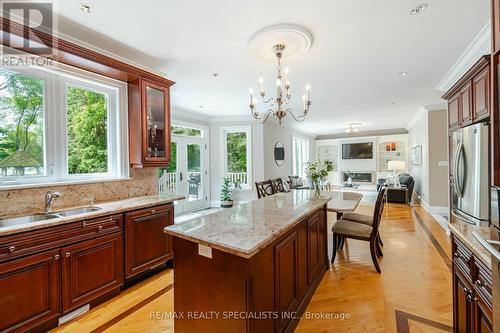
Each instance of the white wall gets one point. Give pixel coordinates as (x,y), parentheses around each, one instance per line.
(283,134)
(418,134)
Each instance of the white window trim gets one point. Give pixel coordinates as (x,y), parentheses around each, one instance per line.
(306,143)
(55,141)
(237,129)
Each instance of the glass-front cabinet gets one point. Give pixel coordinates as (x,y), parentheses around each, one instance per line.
(149,123)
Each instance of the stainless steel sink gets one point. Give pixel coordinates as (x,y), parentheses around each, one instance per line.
(77,211)
(27,219)
(42,217)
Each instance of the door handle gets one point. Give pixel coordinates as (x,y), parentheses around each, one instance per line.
(181,177)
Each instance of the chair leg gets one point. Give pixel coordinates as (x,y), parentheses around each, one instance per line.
(373,252)
(340,242)
(334,252)
(380,240)
(378,248)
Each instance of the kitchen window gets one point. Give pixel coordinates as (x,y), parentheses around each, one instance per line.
(59,126)
(300,155)
(237,161)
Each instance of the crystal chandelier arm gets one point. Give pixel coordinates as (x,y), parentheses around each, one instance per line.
(298,118)
(263,119)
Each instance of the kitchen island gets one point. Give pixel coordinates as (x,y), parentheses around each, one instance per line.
(250,268)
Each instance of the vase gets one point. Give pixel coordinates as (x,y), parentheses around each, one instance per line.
(349,180)
(317,187)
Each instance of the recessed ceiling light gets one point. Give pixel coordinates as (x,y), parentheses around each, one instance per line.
(201,106)
(215,74)
(86,8)
(394,103)
(418,9)
(402,74)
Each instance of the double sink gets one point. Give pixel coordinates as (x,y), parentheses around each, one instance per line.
(47,216)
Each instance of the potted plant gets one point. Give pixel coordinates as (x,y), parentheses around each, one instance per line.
(318,171)
(225,194)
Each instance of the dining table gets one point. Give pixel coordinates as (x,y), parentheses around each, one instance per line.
(342,201)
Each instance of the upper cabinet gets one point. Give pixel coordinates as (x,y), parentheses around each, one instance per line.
(149,123)
(468,100)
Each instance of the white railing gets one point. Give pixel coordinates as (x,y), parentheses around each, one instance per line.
(167,183)
(241,177)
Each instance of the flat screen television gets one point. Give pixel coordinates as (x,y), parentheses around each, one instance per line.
(357,151)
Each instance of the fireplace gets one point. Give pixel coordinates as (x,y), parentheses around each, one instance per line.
(359,177)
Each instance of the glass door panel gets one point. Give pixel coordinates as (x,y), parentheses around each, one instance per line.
(155,106)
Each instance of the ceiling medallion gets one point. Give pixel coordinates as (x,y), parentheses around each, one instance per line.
(285,42)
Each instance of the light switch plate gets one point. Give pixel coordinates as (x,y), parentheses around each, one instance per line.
(205,251)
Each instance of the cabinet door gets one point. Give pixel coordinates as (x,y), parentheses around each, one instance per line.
(454,111)
(314,250)
(465,104)
(483,314)
(31,291)
(146,244)
(286,288)
(462,305)
(156,124)
(91,269)
(481,93)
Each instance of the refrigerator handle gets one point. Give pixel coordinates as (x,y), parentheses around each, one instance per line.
(487,245)
(455,171)
(461,156)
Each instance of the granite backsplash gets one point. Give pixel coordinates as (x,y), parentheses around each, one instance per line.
(30,200)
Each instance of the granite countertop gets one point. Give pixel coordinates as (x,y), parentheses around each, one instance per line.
(343,201)
(463,232)
(112,207)
(247,228)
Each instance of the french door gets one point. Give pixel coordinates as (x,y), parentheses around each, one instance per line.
(187,173)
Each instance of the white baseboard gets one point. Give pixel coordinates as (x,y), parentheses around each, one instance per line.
(436,212)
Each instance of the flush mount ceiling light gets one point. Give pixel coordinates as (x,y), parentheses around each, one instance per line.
(418,9)
(86,8)
(274,44)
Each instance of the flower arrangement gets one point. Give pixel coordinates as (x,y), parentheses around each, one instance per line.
(318,171)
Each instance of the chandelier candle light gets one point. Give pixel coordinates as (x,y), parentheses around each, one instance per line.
(279,105)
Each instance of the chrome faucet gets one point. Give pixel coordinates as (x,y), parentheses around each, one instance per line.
(49,197)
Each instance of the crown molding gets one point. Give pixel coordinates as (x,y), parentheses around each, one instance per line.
(421,112)
(481,45)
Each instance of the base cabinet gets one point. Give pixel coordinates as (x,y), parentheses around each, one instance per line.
(146,245)
(91,269)
(472,312)
(33,297)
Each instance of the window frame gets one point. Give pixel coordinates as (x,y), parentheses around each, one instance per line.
(237,129)
(55,138)
(304,147)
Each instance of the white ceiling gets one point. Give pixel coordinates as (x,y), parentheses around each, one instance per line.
(359,48)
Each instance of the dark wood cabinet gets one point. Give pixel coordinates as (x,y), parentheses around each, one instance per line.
(149,123)
(146,245)
(33,284)
(91,269)
(286,282)
(466,105)
(472,300)
(315,246)
(463,313)
(468,100)
(481,94)
(495,13)
(454,114)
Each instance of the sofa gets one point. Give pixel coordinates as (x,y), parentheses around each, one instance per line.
(396,194)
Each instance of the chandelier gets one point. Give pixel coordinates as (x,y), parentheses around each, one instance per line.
(351,130)
(278,106)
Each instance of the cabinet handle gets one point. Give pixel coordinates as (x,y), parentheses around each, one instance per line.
(457,255)
(56,257)
(153,211)
(12,248)
(100,228)
(479,283)
(67,254)
(84,224)
(469,297)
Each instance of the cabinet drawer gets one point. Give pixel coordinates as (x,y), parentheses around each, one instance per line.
(483,282)
(462,257)
(30,242)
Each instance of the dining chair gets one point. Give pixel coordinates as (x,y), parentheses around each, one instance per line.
(278,185)
(264,188)
(344,228)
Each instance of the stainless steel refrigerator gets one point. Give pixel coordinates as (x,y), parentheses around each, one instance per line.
(470,174)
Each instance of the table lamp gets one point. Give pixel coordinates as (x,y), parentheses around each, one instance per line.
(396,166)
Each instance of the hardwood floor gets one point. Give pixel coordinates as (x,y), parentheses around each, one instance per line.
(413,293)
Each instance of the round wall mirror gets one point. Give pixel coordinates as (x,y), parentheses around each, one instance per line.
(279,153)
